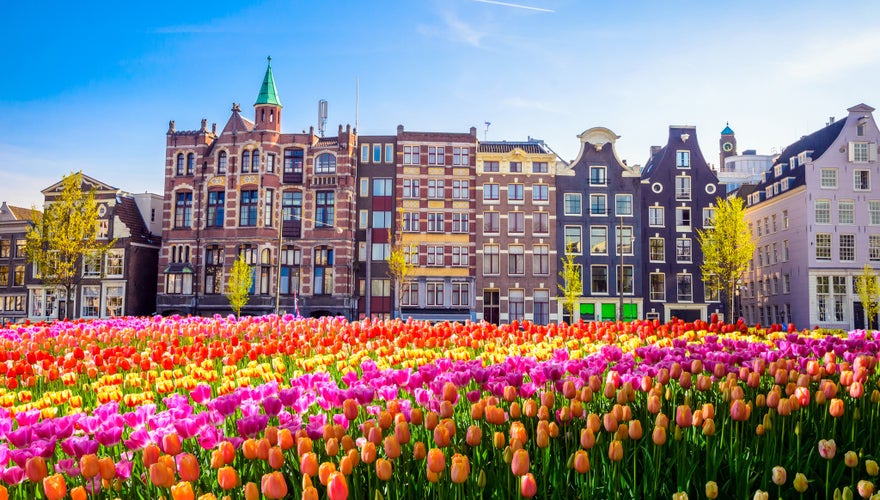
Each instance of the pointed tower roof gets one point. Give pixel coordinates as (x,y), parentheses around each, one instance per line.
(268,92)
(727,130)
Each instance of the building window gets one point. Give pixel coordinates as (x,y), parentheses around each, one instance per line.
(571,204)
(18,276)
(683,159)
(657,249)
(222,161)
(410,294)
(624,240)
(515,192)
(491,263)
(245,161)
(823,246)
(435,222)
(491,222)
(539,167)
(411,155)
(598,240)
(4,275)
(685,287)
(20,252)
(655,217)
(862,180)
(325,164)
(623,204)
(436,155)
(268,207)
(683,188)
(516,260)
(216,208)
(823,212)
(389,153)
(91,267)
(325,209)
(323,271)
(365,153)
(515,167)
(773,218)
(598,204)
(436,189)
(785,219)
(711,291)
(683,218)
(874,247)
(490,192)
(846,212)
(411,188)
(830,297)
(5,249)
(113,300)
(293,161)
(91,301)
(291,206)
(541,259)
(598,177)
(490,166)
(541,222)
(540,192)
(461,295)
(683,250)
(377,153)
(860,152)
(180,160)
(626,280)
(460,190)
(434,293)
(247,213)
(460,223)
(178,283)
(411,222)
(364,190)
(270,162)
(460,156)
(516,223)
(572,239)
(847,247)
(183,210)
(829,178)
(786,283)
(113,263)
(255,161)
(214,269)
(411,254)
(541,307)
(460,257)
(515,305)
(435,255)
(709,217)
(382,219)
(599,279)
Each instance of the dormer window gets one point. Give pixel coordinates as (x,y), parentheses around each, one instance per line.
(221,162)
(793,161)
(860,129)
(777,170)
(597,176)
(683,159)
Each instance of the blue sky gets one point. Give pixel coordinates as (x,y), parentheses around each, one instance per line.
(92,85)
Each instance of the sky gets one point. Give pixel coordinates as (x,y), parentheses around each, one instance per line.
(91,86)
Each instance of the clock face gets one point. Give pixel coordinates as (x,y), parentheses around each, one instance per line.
(727,146)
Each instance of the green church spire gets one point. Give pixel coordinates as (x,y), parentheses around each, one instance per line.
(268,93)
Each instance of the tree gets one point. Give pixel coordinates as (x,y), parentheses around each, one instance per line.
(868,288)
(572,285)
(238,288)
(63,235)
(400,269)
(727,249)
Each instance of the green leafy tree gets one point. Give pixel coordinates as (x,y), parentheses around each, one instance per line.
(727,249)
(572,284)
(868,288)
(239,285)
(63,235)
(399,268)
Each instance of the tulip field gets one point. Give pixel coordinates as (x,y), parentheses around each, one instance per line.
(286,407)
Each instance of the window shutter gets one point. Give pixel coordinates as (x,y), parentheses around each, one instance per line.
(872,151)
(851,151)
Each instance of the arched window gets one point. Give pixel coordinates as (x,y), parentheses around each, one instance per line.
(323,271)
(255,161)
(245,161)
(180,164)
(221,162)
(190,163)
(325,164)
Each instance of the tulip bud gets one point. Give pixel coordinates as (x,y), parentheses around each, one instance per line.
(712,488)
(847,493)
(871,467)
(865,488)
(827,448)
(778,475)
(800,482)
(481,479)
(851,459)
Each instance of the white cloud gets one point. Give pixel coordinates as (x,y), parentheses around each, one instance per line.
(453,29)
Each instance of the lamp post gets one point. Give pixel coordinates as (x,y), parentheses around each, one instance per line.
(620,274)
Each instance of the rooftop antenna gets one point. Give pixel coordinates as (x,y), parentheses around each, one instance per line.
(322,116)
(486,130)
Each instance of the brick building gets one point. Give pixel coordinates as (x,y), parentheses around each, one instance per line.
(516,263)
(13,263)
(285,202)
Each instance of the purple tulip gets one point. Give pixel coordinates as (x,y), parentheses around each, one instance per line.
(20,437)
(13,475)
(252,426)
(68,467)
(109,437)
(272,406)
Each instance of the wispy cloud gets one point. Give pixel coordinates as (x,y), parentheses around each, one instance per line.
(453,28)
(515,5)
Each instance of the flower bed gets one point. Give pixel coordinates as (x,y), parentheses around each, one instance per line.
(282,407)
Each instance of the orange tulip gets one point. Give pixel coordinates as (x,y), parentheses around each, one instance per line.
(310,493)
(217,459)
(345,466)
(251,491)
(188,468)
(285,441)
(249,449)
(401,432)
(519,465)
(54,486)
(4,493)
(35,469)
(498,440)
(303,446)
(527,486)
(308,464)
(615,451)
(211,496)
(350,409)
(273,485)
(416,417)
(635,430)
(835,408)
(368,453)
(436,460)
(106,468)
(392,447)
(581,462)
(659,435)
(88,466)
(182,491)
(324,471)
(161,475)
(442,438)
(171,444)
(683,416)
(276,458)
(383,469)
(227,478)
(263,449)
(337,487)
(474,435)
(78,493)
(419,450)
(460,469)
(588,439)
